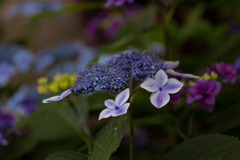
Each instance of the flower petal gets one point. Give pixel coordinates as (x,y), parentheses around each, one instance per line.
(122,97)
(110,103)
(122,110)
(159,99)
(174,73)
(161,78)
(171,64)
(150,85)
(172,86)
(106,113)
(52,99)
(65,93)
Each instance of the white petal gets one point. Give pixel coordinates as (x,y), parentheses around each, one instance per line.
(65,93)
(171,64)
(110,103)
(161,78)
(174,73)
(159,99)
(52,99)
(150,85)
(122,110)
(122,97)
(172,86)
(106,113)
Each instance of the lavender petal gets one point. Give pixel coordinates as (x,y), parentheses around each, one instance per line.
(161,78)
(174,73)
(106,113)
(52,99)
(122,97)
(150,85)
(171,64)
(160,99)
(122,110)
(172,86)
(110,103)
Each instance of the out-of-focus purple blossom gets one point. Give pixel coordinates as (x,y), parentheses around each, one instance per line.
(225,72)
(93,27)
(23,59)
(7,121)
(113,28)
(205,92)
(108,23)
(33,8)
(117,2)
(6,72)
(175,98)
(23,102)
(236,66)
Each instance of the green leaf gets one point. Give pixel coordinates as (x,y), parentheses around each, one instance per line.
(70,9)
(208,147)
(57,121)
(67,155)
(108,139)
(228,120)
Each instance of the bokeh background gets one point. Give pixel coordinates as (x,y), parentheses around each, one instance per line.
(45,43)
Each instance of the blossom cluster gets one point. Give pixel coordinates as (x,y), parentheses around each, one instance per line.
(119,75)
(209,85)
(18,60)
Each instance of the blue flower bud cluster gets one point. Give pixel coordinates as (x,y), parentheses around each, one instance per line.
(115,75)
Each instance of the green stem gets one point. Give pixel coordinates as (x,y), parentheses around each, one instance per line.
(85,128)
(131,134)
(190,122)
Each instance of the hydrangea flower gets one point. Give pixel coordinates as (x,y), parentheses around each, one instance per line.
(114,76)
(224,71)
(205,92)
(117,2)
(161,87)
(117,107)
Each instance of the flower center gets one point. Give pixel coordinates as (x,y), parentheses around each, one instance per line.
(116,107)
(160,89)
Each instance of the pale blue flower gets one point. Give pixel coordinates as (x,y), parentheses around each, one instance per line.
(58,97)
(161,87)
(117,107)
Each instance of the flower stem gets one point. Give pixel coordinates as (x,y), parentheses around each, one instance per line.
(190,122)
(131,134)
(85,137)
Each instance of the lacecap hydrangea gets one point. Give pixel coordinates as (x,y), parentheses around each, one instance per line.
(130,69)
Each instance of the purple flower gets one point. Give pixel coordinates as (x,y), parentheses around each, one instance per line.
(225,72)
(59,97)
(161,87)
(205,92)
(117,2)
(236,66)
(7,121)
(117,107)
(114,26)
(175,98)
